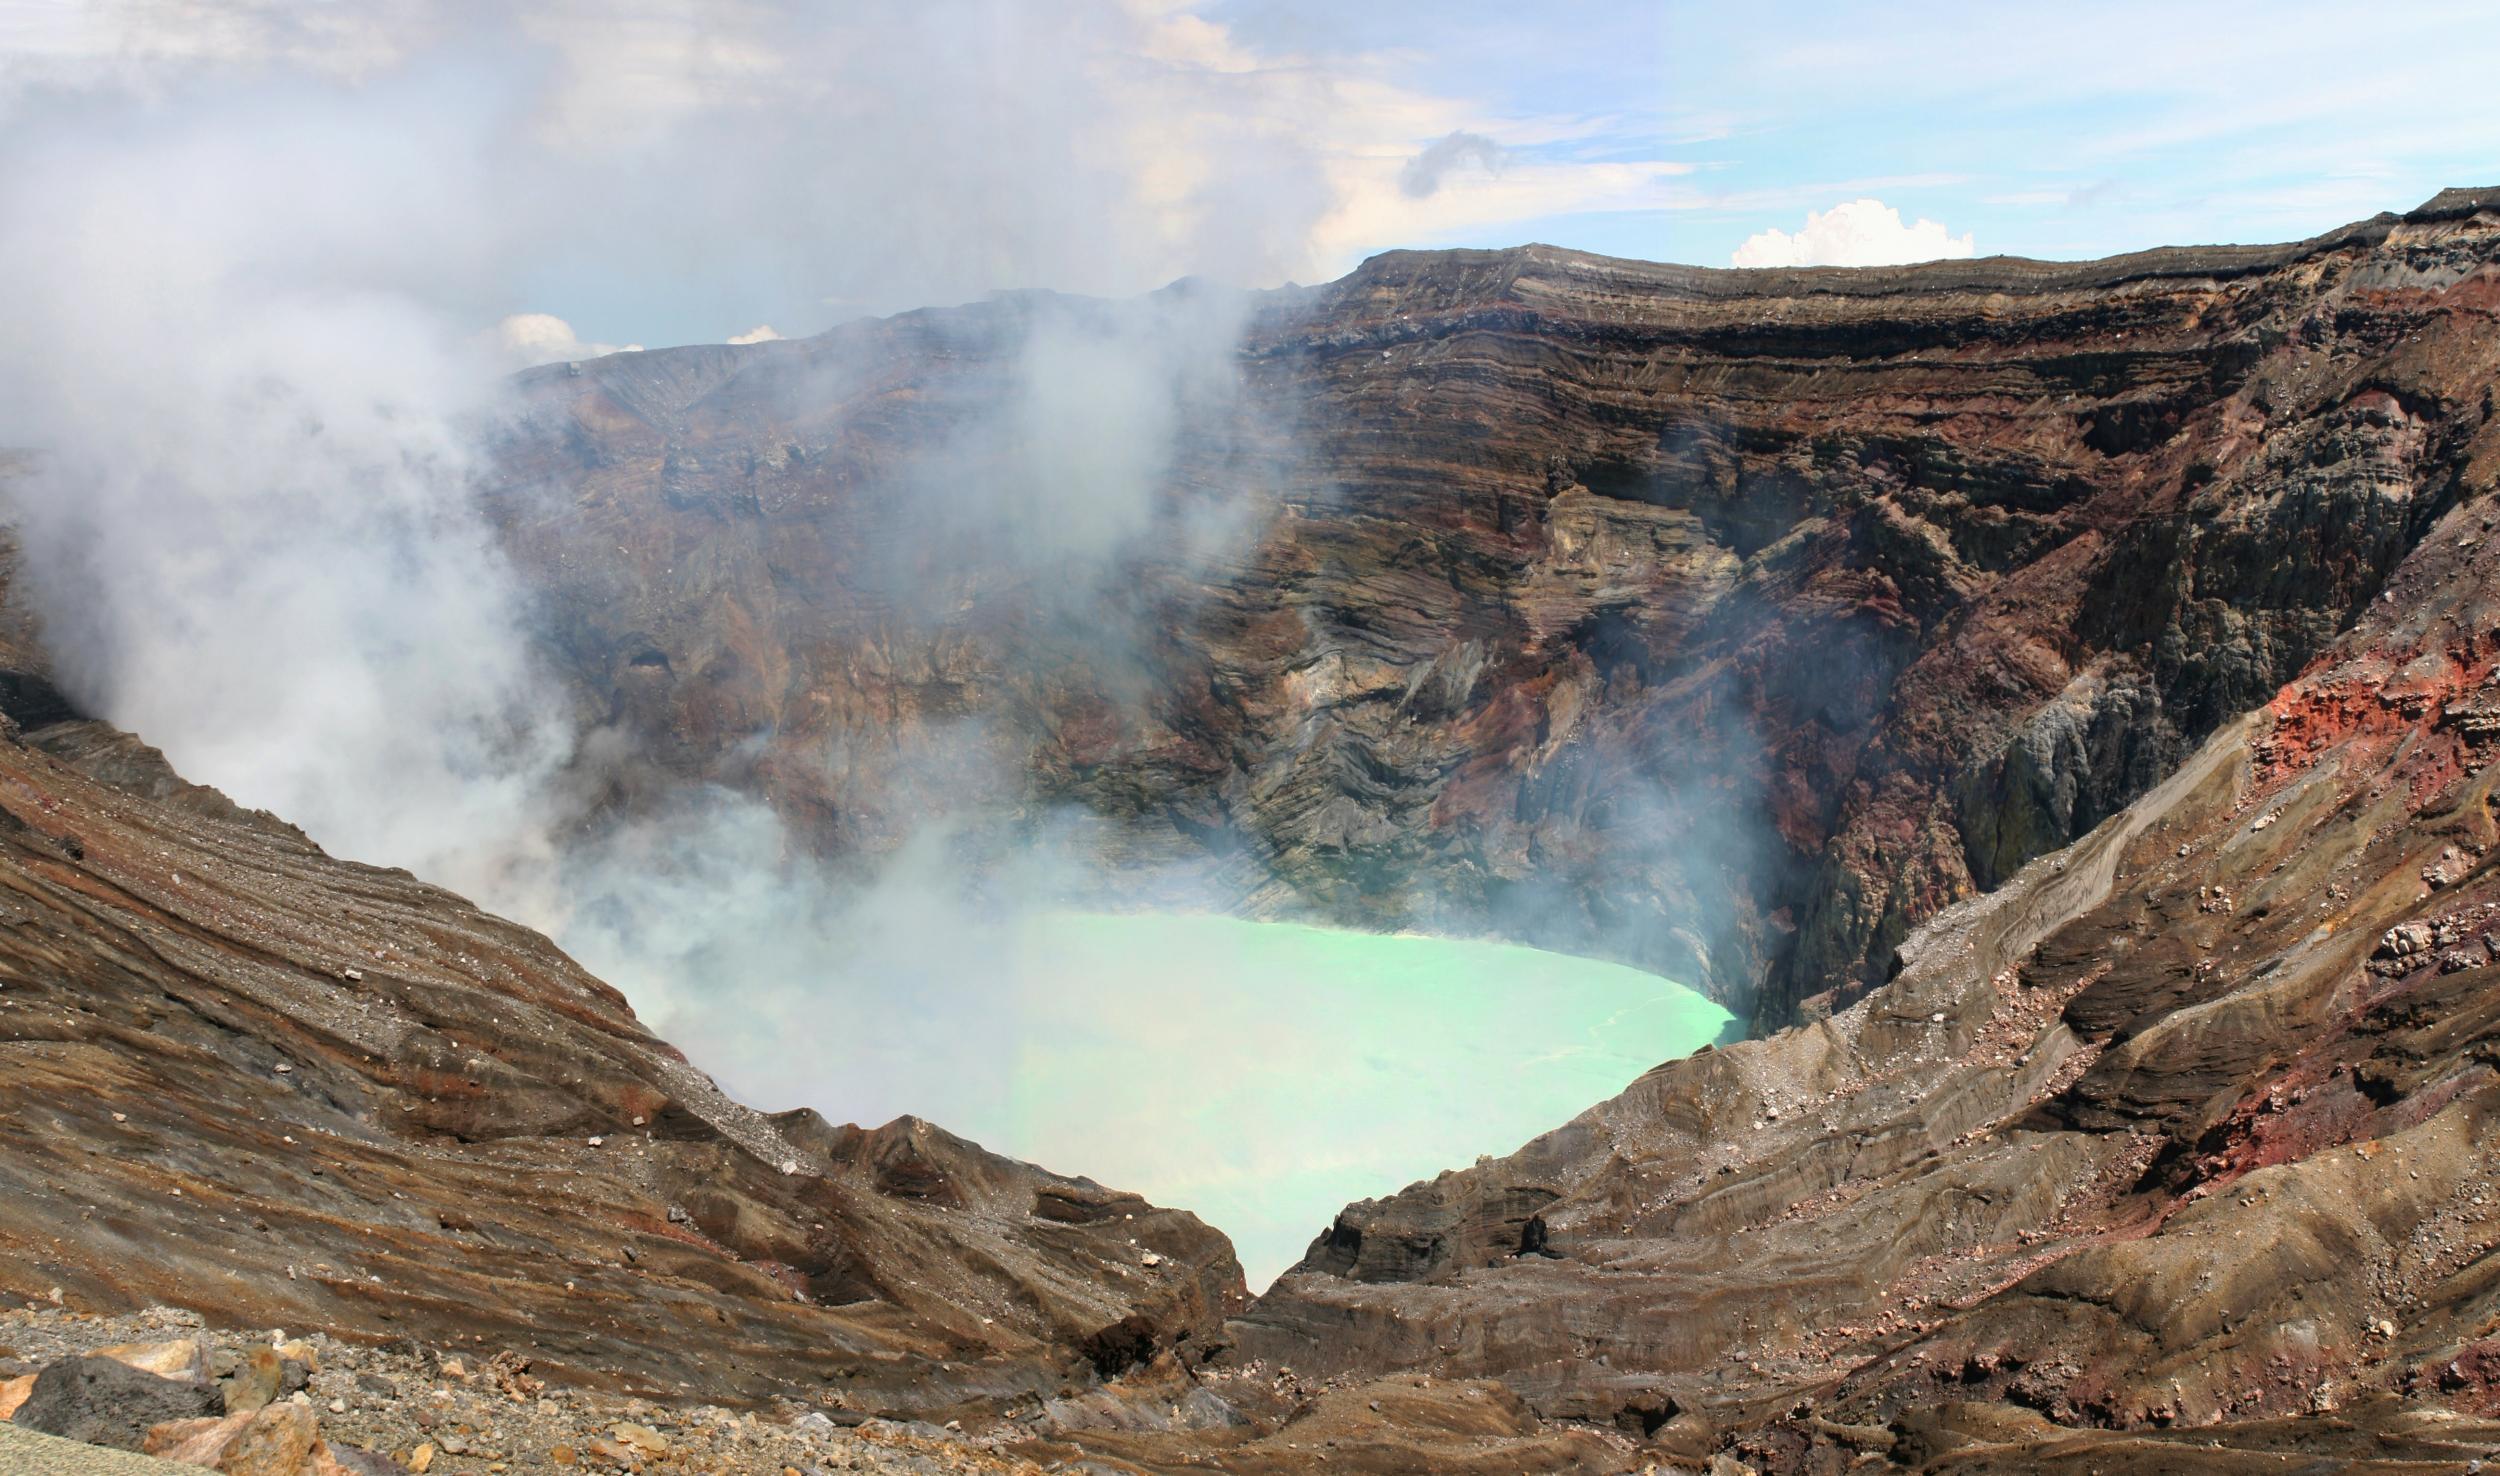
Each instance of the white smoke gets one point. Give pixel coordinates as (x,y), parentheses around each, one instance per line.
(266,261)
(269,260)
(1423,175)
(247,526)
(264,297)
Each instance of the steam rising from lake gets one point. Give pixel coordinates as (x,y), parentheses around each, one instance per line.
(254,359)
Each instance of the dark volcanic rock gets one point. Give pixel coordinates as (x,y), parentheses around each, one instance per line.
(103,1402)
(1731,623)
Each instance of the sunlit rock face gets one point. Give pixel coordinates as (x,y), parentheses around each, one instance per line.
(2031,1175)
(1724,623)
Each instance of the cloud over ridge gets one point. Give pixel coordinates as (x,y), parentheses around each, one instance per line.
(1864,232)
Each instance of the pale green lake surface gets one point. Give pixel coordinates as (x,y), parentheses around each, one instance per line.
(1263,1075)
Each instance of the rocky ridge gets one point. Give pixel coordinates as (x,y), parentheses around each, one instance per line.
(1728,623)
(252,1086)
(2186,1126)
(2168,1153)
(285,1090)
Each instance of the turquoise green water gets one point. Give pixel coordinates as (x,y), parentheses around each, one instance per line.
(1265,1074)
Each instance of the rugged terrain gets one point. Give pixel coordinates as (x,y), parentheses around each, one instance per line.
(286,1090)
(2104,660)
(1729,623)
(277,1090)
(2187,1125)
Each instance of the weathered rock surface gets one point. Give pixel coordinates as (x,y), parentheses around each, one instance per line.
(285,1090)
(2155,594)
(1730,623)
(102,1401)
(2191,1125)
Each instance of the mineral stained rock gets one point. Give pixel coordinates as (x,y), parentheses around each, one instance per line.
(2107,655)
(2191,1123)
(1727,623)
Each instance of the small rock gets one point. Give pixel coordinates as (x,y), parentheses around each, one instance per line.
(2405,940)
(421,1459)
(183,1358)
(642,1438)
(196,1442)
(596,1141)
(13,1392)
(278,1441)
(258,1378)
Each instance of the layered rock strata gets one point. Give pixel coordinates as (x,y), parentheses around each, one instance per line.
(247,1078)
(1728,623)
(2189,1124)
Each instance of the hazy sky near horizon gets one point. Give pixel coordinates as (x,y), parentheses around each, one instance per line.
(1120,142)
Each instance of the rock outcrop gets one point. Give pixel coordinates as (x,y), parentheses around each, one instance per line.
(281,1089)
(2190,1124)
(2073,689)
(1728,623)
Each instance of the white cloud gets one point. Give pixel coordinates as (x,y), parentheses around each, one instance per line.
(1858,233)
(760,333)
(544,338)
(1147,141)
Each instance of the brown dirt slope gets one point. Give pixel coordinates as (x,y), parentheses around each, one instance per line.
(241,1076)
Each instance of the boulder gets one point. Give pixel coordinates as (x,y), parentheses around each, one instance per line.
(106,1402)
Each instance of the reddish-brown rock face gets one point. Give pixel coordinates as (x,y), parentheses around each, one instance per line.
(1728,623)
(2192,1123)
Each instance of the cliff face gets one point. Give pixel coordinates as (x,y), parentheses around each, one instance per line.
(1730,623)
(2190,1124)
(1746,625)
(285,1090)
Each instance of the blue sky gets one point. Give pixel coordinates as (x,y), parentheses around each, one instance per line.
(650,171)
(2057,132)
